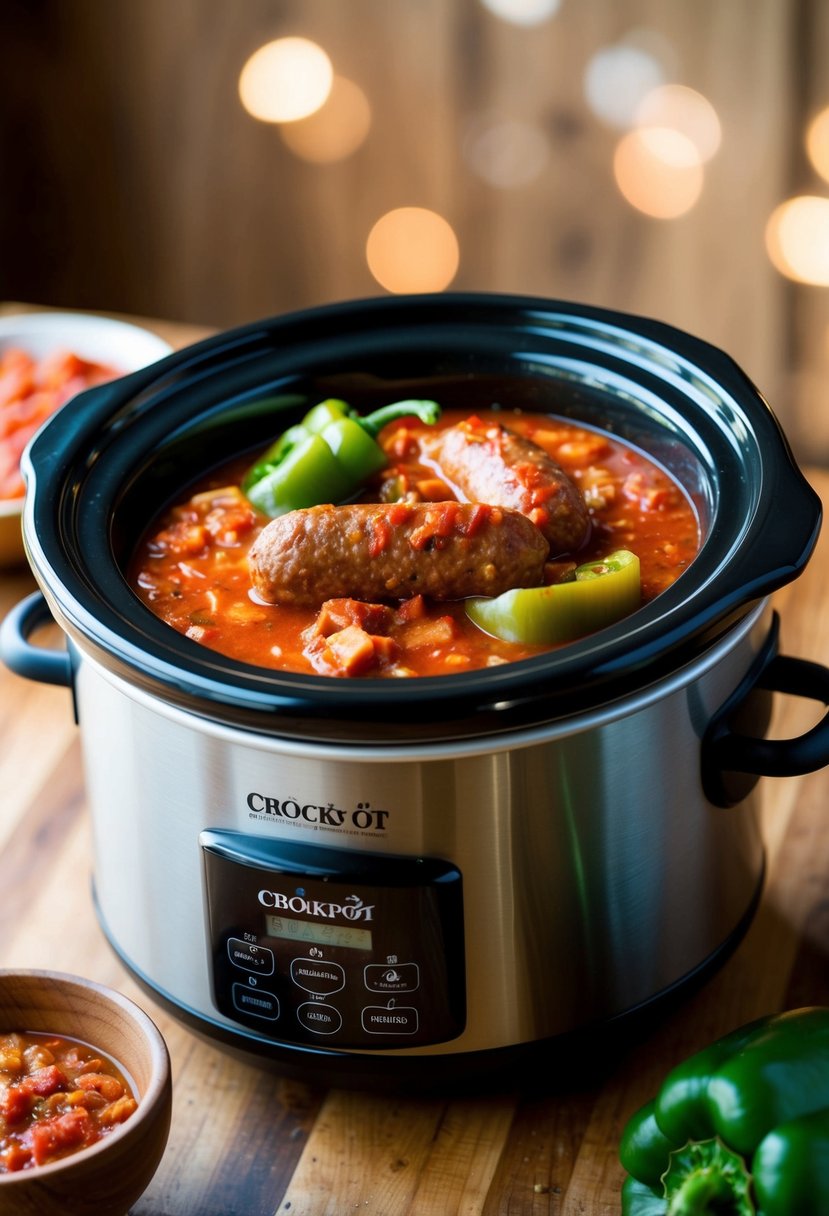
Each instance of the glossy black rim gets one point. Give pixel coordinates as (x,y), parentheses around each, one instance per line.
(104,466)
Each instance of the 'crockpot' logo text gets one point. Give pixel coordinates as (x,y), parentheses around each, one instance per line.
(352,909)
(364,818)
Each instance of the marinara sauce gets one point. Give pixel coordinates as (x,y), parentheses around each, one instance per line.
(191,569)
(57,1095)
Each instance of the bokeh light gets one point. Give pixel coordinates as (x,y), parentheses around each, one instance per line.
(412,249)
(797,239)
(616,80)
(335,130)
(523,12)
(817,143)
(505,153)
(658,171)
(285,80)
(684,110)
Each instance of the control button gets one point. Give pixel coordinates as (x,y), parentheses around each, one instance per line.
(322,1019)
(317,977)
(390,1019)
(402,977)
(254,1000)
(249,956)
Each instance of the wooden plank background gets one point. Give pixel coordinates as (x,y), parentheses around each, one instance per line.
(133,181)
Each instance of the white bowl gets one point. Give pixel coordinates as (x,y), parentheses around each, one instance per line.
(117,344)
(102,339)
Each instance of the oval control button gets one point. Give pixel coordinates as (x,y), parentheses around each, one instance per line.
(255,1001)
(322,1019)
(402,977)
(317,977)
(390,1019)
(250,957)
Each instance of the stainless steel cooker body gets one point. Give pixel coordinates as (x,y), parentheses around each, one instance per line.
(595,873)
(443,869)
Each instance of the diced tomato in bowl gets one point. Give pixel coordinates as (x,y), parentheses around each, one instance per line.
(46,360)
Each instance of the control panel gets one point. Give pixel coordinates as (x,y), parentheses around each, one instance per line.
(334,948)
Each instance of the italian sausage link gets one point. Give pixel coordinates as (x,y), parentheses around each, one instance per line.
(369,551)
(489,463)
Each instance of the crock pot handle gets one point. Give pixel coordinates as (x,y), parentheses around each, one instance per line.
(733,752)
(24,659)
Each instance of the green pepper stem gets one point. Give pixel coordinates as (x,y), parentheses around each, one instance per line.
(426,411)
(705,1178)
(704,1192)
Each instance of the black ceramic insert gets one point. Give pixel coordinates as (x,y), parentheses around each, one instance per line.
(101,470)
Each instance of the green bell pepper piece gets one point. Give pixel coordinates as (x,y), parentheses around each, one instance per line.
(309,474)
(326,457)
(357,452)
(316,420)
(741,1128)
(600,593)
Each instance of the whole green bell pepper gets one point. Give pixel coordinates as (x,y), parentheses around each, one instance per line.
(599,593)
(741,1128)
(326,457)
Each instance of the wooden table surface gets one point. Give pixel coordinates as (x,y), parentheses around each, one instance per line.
(245,1142)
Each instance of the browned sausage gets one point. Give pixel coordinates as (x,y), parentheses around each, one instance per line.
(488,463)
(369,551)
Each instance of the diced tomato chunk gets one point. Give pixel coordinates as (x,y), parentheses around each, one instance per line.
(380,536)
(411,610)
(338,613)
(45,1081)
(53,1137)
(15,1157)
(16,1104)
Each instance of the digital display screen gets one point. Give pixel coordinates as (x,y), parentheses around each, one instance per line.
(320,935)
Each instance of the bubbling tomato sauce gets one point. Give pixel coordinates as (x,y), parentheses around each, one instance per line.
(191,569)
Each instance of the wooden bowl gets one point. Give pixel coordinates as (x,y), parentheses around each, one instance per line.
(109,1176)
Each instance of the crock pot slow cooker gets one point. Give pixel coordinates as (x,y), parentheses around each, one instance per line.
(437,877)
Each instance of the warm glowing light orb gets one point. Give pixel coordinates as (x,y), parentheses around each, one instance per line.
(817,143)
(616,80)
(335,130)
(685,110)
(412,249)
(523,12)
(797,239)
(285,80)
(658,171)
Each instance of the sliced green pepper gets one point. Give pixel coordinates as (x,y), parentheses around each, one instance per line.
(599,593)
(757,1106)
(316,420)
(326,457)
